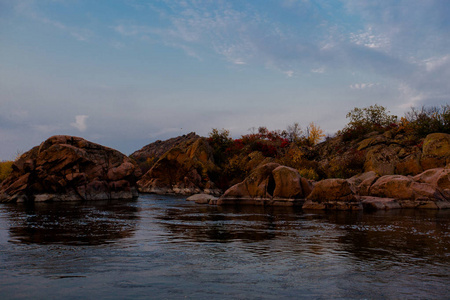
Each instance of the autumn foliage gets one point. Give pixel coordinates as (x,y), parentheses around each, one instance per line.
(5,169)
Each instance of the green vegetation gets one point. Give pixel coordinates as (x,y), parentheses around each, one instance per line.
(299,149)
(5,169)
(368,119)
(424,121)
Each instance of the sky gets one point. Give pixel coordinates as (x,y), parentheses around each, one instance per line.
(125,73)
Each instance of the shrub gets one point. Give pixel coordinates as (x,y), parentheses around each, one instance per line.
(365,120)
(5,169)
(309,173)
(220,141)
(424,121)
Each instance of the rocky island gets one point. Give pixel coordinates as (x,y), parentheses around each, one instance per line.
(375,162)
(67,168)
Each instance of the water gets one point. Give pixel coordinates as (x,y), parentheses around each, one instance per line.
(167,248)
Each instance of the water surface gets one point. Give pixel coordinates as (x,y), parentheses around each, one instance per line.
(168,248)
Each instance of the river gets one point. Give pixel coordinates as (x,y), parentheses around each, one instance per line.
(162,247)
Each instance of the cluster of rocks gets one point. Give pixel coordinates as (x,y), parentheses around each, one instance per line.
(430,189)
(66,168)
(387,153)
(396,175)
(272,184)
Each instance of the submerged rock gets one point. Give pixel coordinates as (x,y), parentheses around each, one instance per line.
(203,199)
(66,168)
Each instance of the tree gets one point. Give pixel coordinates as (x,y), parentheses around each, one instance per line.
(314,134)
(294,133)
(220,140)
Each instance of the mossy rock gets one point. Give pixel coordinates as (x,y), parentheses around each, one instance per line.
(437,144)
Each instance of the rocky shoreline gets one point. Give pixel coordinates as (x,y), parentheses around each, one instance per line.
(393,174)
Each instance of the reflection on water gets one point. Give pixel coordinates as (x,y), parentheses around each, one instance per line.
(90,223)
(166,247)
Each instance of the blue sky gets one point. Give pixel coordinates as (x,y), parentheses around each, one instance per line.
(126,73)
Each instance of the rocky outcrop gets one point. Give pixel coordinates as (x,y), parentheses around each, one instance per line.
(269,184)
(150,153)
(386,154)
(429,190)
(436,151)
(66,168)
(185,169)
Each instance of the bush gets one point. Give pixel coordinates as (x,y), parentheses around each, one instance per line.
(309,173)
(424,121)
(5,169)
(220,141)
(368,119)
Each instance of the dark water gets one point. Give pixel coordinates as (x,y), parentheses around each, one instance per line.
(167,248)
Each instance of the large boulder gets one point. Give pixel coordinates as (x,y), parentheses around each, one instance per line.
(436,151)
(185,169)
(333,194)
(439,177)
(65,168)
(381,159)
(409,165)
(269,184)
(409,192)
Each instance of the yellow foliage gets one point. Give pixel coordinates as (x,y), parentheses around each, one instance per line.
(5,169)
(315,134)
(309,173)
(297,156)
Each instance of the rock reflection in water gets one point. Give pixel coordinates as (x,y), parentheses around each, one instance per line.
(168,248)
(227,223)
(72,223)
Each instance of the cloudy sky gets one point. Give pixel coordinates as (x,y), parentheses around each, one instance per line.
(124,73)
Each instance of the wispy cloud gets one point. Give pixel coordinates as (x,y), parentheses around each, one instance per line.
(29,9)
(80,122)
(362,86)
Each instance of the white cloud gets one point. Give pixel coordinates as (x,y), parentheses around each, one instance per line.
(320,70)
(80,122)
(369,39)
(362,86)
(289,73)
(410,96)
(435,63)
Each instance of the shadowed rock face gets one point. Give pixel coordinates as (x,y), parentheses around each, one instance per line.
(184,169)
(66,168)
